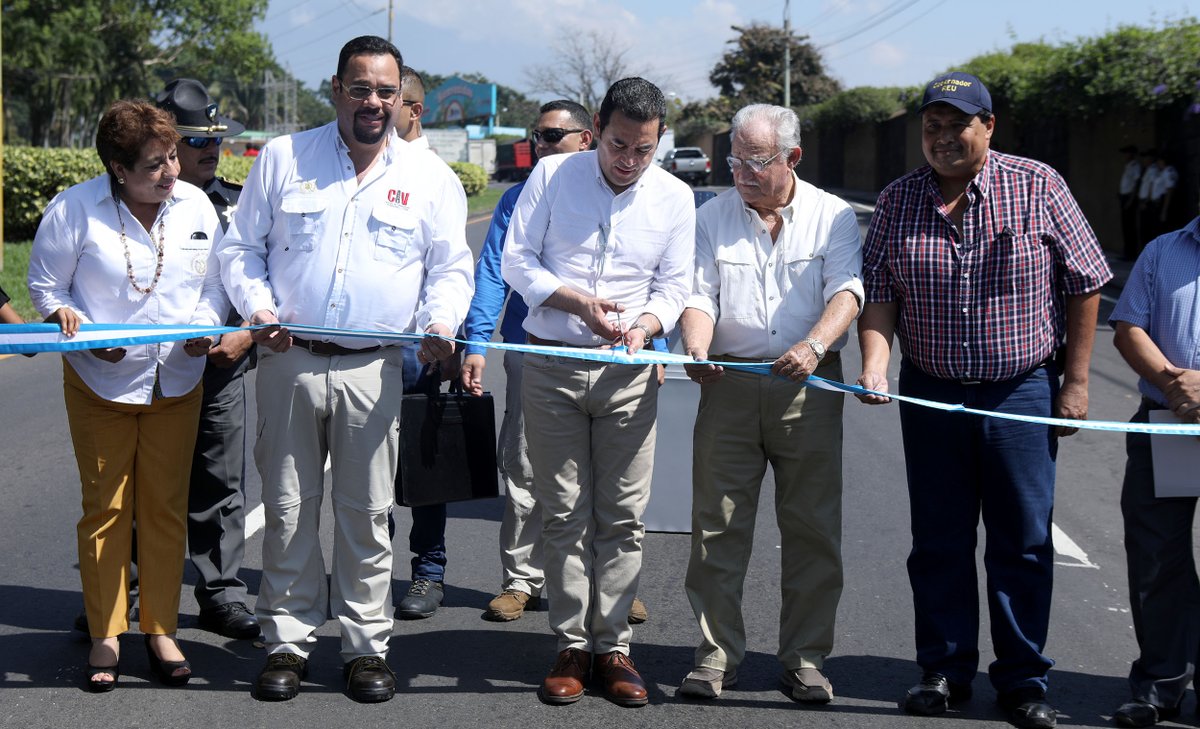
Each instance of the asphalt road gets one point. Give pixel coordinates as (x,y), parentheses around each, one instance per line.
(456,670)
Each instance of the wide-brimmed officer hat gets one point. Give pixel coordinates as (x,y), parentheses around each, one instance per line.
(194,110)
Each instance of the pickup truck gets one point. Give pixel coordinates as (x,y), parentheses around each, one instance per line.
(689,164)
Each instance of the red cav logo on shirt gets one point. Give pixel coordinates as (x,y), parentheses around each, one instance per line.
(398,198)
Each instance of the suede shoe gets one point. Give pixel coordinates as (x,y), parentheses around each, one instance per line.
(280,678)
(1027,708)
(1142,713)
(705,682)
(934,694)
(232,620)
(369,680)
(638,613)
(808,685)
(422,600)
(509,605)
(623,684)
(564,683)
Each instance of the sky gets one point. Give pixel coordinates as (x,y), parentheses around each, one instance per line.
(675,43)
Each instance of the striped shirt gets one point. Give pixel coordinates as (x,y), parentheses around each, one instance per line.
(1162,297)
(987,302)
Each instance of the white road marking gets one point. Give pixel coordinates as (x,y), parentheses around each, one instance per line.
(1066,547)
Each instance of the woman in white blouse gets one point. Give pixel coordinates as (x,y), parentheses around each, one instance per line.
(133,246)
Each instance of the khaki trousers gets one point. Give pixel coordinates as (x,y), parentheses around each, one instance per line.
(745,422)
(134,463)
(521,526)
(346,407)
(590,430)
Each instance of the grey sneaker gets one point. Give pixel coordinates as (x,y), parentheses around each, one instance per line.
(808,685)
(423,599)
(706,683)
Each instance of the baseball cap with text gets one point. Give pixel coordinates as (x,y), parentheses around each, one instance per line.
(960,90)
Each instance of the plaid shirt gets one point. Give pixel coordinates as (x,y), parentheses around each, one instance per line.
(986,303)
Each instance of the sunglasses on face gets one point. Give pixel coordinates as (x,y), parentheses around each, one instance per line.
(362,93)
(552,135)
(201,142)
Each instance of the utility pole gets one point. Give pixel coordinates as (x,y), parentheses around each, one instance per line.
(787,54)
(391,15)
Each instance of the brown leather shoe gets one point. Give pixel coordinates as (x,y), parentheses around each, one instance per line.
(564,683)
(622,683)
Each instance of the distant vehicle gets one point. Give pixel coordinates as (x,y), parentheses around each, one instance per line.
(689,164)
(514,160)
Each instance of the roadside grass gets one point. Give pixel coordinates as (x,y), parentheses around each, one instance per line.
(484,202)
(12,278)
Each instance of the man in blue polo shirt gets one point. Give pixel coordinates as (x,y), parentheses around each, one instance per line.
(1157,336)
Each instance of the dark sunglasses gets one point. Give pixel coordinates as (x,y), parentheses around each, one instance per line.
(553,135)
(201,142)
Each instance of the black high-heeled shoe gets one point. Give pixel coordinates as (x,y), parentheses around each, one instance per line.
(98,686)
(164,671)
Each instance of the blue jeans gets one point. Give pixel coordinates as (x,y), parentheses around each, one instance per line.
(427,537)
(960,466)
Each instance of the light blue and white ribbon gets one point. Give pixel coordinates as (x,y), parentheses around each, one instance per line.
(31,338)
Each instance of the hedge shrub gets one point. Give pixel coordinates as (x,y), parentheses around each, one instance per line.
(34,175)
(473,177)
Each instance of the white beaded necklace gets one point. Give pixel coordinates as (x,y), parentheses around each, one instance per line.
(129,262)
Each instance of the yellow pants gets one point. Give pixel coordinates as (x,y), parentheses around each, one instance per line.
(134,463)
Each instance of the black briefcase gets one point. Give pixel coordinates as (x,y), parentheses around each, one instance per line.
(447,447)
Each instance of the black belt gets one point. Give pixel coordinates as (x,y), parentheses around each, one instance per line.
(329,349)
(1044,363)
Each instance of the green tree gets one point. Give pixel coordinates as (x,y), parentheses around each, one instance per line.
(751,71)
(66,62)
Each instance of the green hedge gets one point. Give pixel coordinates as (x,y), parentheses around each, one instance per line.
(473,177)
(34,175)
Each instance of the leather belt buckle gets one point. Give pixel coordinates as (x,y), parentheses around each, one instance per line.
(970,382)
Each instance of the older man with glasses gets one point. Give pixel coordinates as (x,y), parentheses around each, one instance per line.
(778,265)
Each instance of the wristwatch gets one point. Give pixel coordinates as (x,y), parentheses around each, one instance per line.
(644,328)
(817,347)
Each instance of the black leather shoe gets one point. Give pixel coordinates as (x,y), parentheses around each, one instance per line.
(422,600)
(1142,713)
(934,694)
(232,620)
(280,678)
(369,680)
(1027,708)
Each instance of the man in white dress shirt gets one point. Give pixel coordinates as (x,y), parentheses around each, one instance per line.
(601,245)
(778,267)
(345,227)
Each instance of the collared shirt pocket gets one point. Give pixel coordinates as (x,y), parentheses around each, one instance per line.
(195,252)
(801,283)
(396,233)
(302,215)
(741,287)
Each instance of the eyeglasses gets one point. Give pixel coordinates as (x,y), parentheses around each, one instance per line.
(201,142)
(755,165)
(386,94)
(553,135)
(407,102)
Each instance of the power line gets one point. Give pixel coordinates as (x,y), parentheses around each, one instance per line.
(891,32)
(871,22)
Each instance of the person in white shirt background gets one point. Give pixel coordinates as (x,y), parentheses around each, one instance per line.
(342,226)
(601,245)
(778,279)
(132,246)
